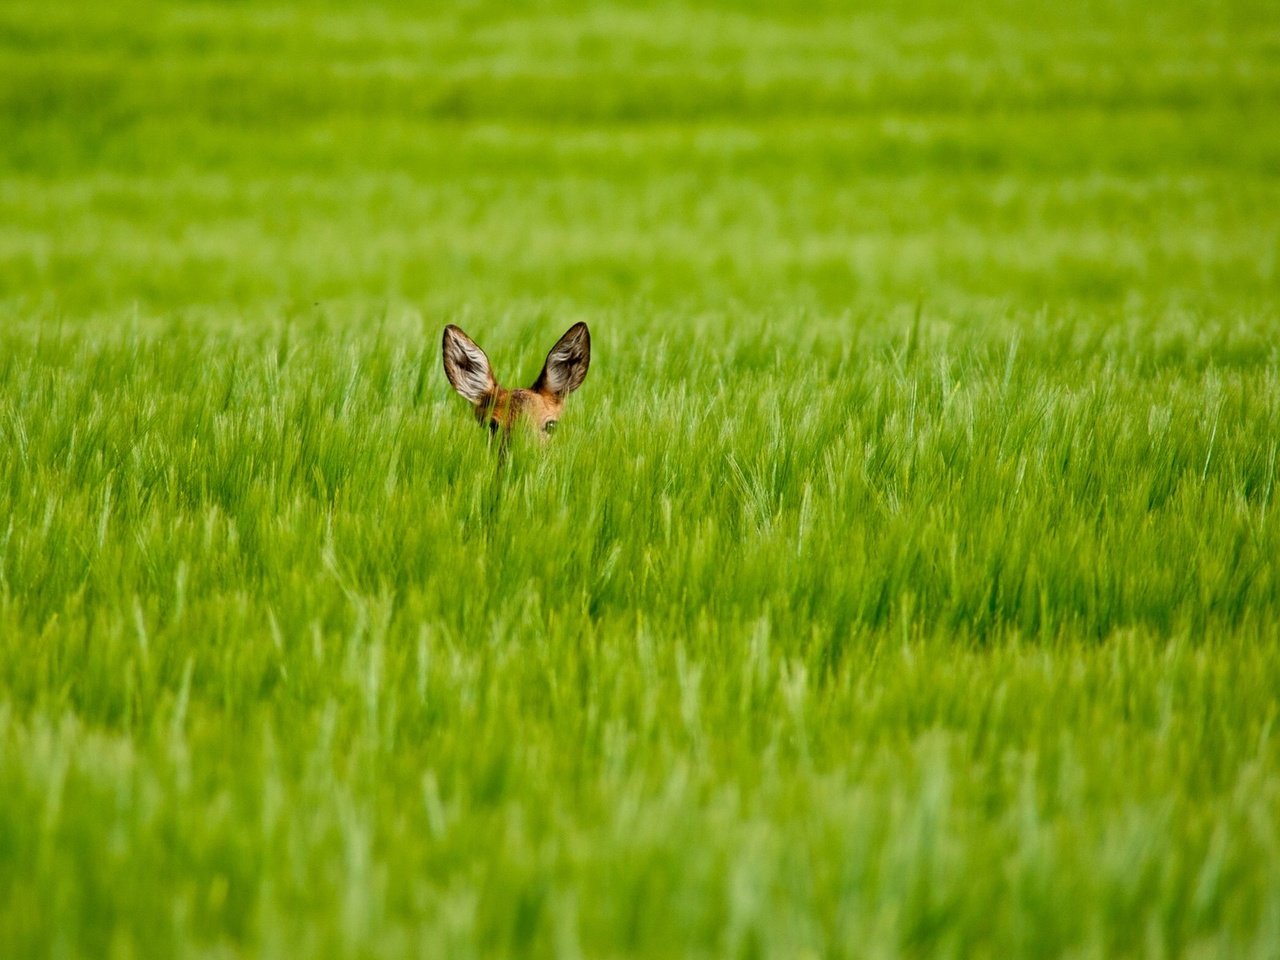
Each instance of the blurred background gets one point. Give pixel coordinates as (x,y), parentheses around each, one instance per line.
(231,162)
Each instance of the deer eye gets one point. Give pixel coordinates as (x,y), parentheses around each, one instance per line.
(550,426)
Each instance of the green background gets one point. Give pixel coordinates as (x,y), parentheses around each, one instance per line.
(902,581)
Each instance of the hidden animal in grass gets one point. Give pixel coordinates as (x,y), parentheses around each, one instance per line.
(500,409)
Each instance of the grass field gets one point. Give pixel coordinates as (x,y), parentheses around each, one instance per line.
(903,582)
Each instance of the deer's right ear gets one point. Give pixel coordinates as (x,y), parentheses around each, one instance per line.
(466,366)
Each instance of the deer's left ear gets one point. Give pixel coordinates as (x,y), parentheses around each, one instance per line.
(567,363)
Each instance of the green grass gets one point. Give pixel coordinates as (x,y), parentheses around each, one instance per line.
(904,580)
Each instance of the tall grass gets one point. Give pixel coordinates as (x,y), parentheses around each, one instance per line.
(902,581)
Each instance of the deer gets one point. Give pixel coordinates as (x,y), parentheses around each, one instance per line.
(499,409)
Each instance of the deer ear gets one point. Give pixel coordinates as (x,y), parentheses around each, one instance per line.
(466,366)
(567,363)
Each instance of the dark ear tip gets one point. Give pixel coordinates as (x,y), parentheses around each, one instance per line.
(452,332)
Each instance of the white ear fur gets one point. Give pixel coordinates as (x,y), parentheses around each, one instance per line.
(466,366)
(567,363)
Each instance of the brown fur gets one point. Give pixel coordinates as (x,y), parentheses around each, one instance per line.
(540,406)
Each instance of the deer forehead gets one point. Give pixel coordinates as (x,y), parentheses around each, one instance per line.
(508,405)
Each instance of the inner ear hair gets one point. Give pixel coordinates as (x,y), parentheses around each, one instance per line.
(466,366)
(567,363)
